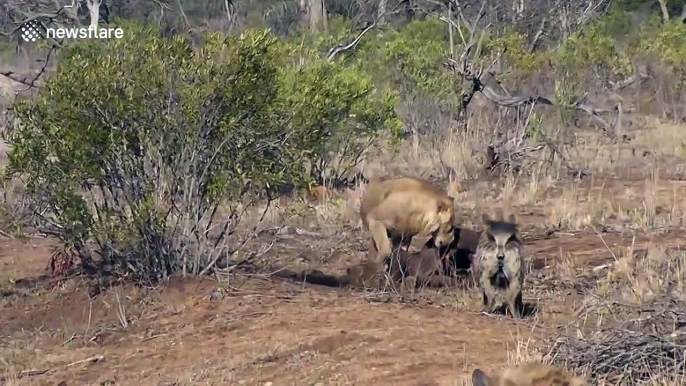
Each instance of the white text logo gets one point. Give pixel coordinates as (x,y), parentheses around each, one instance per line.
(33,30)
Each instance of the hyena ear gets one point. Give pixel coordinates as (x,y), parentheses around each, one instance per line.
(512,219)
(457,233)
(486,219)
(479,378)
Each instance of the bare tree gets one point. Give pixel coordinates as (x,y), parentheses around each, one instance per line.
(663,9)
(93,7)
(381,12)
(45,13)
(472,69)
(665,12)
(314,13)
(317,14)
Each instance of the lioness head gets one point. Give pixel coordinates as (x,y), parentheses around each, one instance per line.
(534,374)
(444,234)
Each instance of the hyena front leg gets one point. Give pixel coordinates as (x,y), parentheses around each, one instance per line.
(514,301)
(489,295)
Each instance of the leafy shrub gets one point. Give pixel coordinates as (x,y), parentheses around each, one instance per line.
(137,148)
(414,57)
(516,53)
(669,44)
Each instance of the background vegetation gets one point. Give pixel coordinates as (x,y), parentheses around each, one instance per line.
(171,135)
(163,152)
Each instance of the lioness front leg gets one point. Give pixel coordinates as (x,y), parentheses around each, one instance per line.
(381,240)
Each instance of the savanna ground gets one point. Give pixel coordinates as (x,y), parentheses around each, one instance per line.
(248,329)
(601,211)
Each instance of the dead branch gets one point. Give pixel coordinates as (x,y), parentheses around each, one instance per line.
(45,13)
(465,70)
(663,9)
(19,13)
(183,15)
(651,336)
(93,359)
(375,23)
(344,47)
(35,372)
(253,234)
(30,82)
(537,36)
(640,76)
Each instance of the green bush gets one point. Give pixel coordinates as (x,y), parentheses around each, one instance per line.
(519,59)
(136,146)
(414,58)
(668,42)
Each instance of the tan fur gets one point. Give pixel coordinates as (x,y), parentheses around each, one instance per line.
(319,194)
(499,265)
(368,274)
(401,208)
(528,374)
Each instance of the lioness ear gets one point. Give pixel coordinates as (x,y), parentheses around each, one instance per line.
(512,219)
(577,381)
(479,378)
(446,205)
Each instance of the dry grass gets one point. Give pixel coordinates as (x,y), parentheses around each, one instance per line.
(612,248)
(604,249)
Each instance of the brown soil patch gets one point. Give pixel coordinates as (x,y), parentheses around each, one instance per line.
(253,331)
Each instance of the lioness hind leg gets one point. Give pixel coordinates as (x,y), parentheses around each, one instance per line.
(380,237)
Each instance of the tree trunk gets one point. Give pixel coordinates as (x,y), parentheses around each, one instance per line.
(381,13)
(94,11)
(663,8)
(317,13)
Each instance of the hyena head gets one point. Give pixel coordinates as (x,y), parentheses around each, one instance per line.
(501,237)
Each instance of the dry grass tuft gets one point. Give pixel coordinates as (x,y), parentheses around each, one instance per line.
(640,322)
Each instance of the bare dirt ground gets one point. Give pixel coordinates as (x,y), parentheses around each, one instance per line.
(250,330)
(605,238)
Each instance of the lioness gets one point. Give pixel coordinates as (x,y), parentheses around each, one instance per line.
(528,374)
(398,209)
